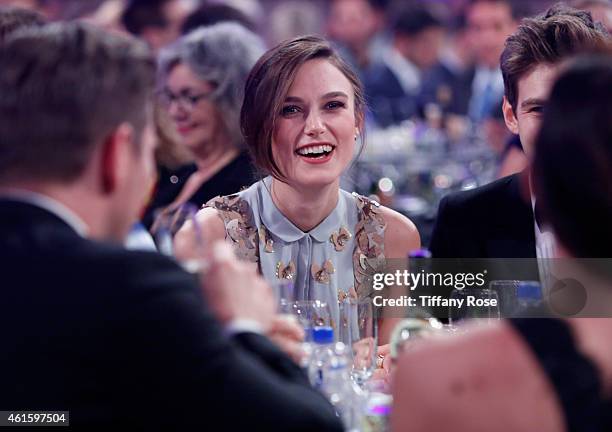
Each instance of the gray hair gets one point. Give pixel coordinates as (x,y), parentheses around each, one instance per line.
(222,54)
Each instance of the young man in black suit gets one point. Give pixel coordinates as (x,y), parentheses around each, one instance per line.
(473,90)
(497,220)
(118,338)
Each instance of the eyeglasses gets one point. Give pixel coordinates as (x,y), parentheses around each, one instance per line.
(185,100)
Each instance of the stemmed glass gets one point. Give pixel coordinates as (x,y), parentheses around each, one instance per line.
(311,314)
(166,225)
(485,308)
(507,293)
(358,329)
(307,313)
(285,295)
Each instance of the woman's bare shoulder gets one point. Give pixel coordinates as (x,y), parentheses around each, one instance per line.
(486,379)
(211,223)
(210,228)
(401,234)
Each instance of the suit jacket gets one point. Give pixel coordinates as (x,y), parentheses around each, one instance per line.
(448,89)
(124,338)
(387,100)
(492,221)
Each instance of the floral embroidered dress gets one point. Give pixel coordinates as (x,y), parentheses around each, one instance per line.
(334,260)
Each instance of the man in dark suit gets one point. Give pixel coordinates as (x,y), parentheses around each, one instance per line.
(494,220)
(461,88)
(392,85)
(497,220)
(118,338)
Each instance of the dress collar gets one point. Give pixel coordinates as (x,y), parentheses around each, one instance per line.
(283,228)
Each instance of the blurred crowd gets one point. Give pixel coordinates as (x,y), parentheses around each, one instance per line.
(436,61)
(431,62)
(106,138)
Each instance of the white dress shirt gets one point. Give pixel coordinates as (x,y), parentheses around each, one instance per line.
(545,249)
(407,74)
(486,81)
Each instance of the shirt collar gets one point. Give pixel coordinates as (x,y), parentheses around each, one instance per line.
(488,77)
(406,72)
(49,204)
(540,226)
(283,228)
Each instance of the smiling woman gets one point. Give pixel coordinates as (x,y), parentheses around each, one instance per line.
(201,80)
(301,117)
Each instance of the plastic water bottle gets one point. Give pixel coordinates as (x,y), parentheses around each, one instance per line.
(330,373)
(322,351)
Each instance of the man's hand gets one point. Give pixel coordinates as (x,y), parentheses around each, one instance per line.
(234,290)
(288,335)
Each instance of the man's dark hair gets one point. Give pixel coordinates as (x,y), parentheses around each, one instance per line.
(140,14)
(556,35)
(12,19)
(573,158)
(65,88)
(208,15)
(413,20)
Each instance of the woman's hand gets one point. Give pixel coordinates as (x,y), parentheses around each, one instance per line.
(383,364)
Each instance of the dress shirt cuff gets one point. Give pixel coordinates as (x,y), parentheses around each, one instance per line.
(243,326)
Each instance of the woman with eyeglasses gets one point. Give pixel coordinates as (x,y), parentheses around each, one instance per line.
(202,79)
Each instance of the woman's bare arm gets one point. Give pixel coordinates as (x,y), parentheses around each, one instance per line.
(401,237)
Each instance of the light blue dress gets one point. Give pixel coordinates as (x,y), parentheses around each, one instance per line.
(331,262)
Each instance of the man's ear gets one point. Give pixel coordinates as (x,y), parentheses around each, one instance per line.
(116,157)
(510,117)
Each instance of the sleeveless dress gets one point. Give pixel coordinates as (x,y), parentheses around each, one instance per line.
(333,261)
(574,377)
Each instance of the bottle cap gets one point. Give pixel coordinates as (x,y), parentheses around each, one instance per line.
(322,335)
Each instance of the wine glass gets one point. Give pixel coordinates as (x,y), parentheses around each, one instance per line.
(285,295)
(479,303)
(309,314)
(358,329)
(507,293)
(167,223)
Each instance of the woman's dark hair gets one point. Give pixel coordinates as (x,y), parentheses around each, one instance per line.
(267,87)
(573,158)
